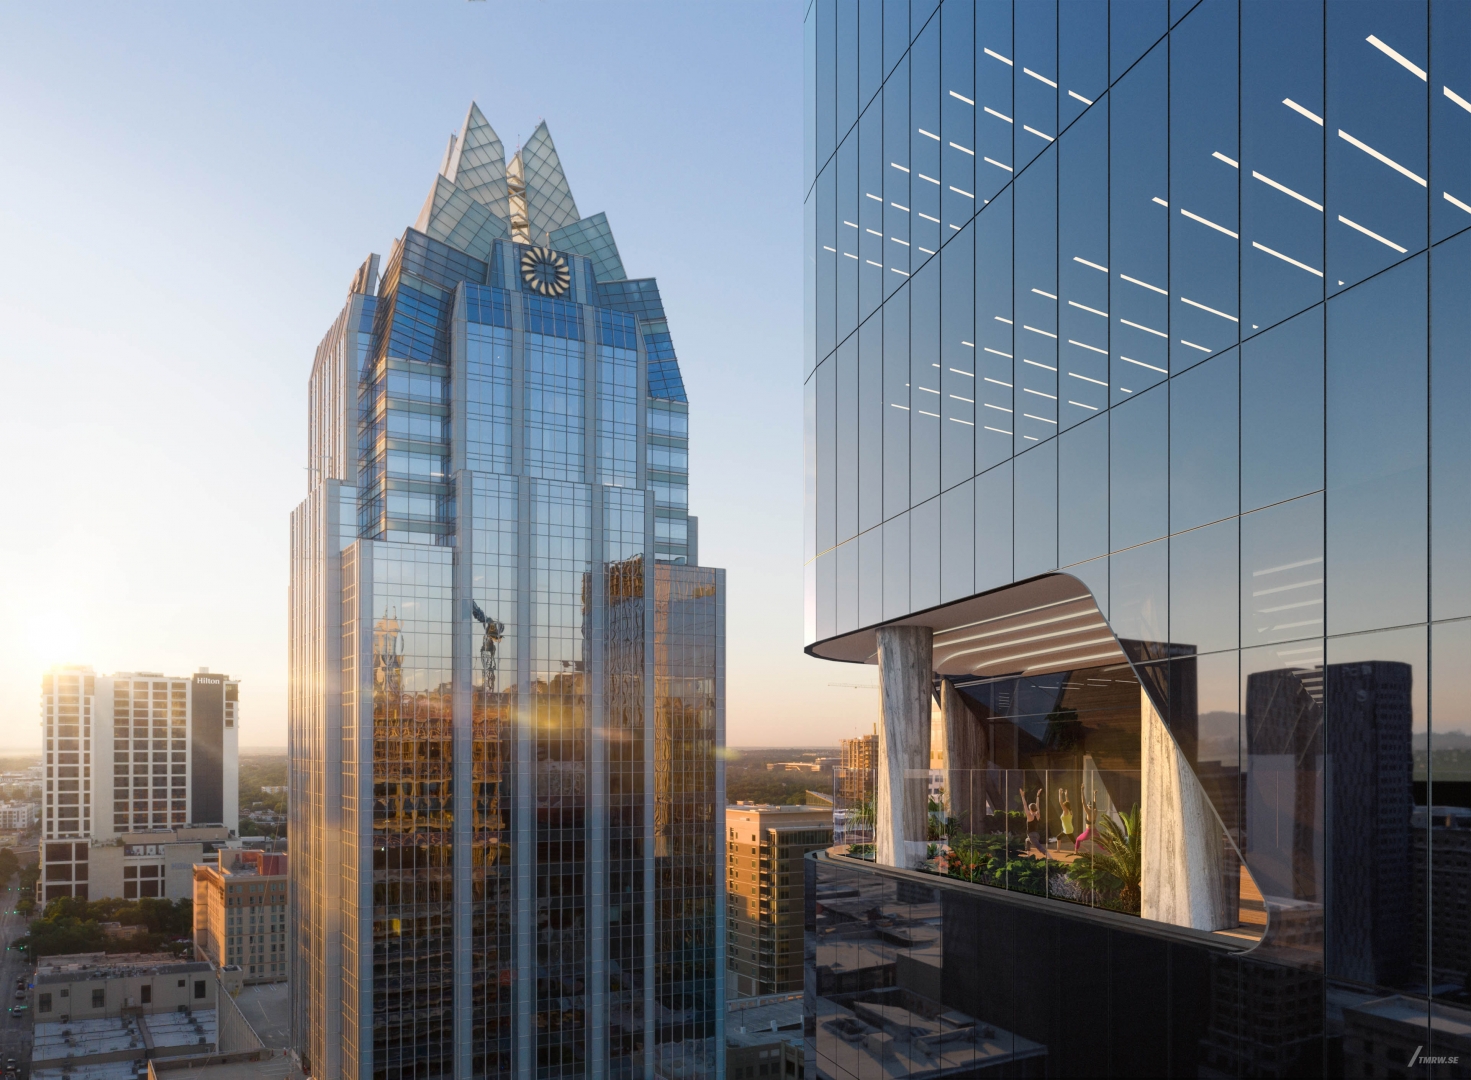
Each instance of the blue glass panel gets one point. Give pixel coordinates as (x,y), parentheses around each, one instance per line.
(1282,411)
(1139,467)
(1203,442)
(1035,507)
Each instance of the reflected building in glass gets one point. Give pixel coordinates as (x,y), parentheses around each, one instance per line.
(1137,364)
(507,665)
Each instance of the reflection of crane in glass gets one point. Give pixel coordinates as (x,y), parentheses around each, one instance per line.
(489,643)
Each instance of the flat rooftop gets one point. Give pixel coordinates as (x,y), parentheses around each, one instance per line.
(86,966)
(85,1038)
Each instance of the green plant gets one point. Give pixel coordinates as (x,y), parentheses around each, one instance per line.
(1119,868)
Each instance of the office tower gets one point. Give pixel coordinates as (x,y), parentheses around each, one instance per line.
(1134,356)
(507,664)
(136,763)
(765,887)
(240,914)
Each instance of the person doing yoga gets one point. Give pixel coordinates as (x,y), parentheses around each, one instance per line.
(1034,821)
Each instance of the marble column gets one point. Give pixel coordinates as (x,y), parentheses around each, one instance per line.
(906,680)
(1183,848)
(965,784)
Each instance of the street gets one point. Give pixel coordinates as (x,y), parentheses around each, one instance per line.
(15,1034)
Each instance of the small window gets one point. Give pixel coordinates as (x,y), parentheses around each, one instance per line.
(145,995)
(45,1003)
(181,984)
(98,998)
(199,988)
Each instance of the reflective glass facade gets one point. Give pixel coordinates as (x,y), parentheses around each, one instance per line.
(508,666)
(1166,299)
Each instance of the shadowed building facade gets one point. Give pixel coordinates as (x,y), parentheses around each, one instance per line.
(1137,352)
(507,662)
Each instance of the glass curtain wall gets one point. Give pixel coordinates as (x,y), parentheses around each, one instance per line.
(1168,296)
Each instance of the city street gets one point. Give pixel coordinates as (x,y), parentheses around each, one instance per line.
(15,1034)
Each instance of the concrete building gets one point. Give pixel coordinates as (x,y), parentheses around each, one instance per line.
(128,755)
(763,1038)
(240,908)
(764,892)
(18,816)
(88,986)
(154,862)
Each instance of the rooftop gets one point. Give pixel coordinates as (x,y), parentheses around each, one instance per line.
(78,966)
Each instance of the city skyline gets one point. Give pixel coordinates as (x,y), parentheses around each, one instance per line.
(215,169)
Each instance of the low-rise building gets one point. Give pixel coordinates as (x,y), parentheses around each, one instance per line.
(763,1038)
(764,892)
(240,913)
(90,986)
(18,816)
(153,862)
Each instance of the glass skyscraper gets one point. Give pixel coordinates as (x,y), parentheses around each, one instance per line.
(1138,363)
(507,663)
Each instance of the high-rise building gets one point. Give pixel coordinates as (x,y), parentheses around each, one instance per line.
(240,914)
(507,665)
(764,849)
(1135,358)
(135,762)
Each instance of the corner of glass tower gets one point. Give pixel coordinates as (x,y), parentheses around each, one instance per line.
(507,662)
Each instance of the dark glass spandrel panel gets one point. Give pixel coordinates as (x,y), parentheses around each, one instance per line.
(846,69)
(1082,57)
(846,440)
(994,334)
(1140,225)
(926,148)
(924,555)
(1282,572)
(1203,443)
(846,232)
(1450,118)
(993,531)
(870,424)
(1134,25)
(1035,81)
(826,598)
(995,115)
(924,383)
(1139,592)
(870,219)
(1035,504)
(827,61)
(1082,492)
(1035,302)
(1450,434)
(1082,268)
(896,173)
(896,404)
(1377,452)
(1377,136)
(957,542)
(1374,724)
(827,257)
(1281,160)
(1204,586)
(1282,411)
(826,517)
(957,117)
(870,50)
(1283,827)
(1139,467)
(957,360)
(1204,174)
(896,566)
(845,590)
(870,577)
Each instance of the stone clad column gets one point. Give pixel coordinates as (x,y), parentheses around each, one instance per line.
(905,682)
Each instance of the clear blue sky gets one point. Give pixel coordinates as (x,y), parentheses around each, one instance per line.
(185,191)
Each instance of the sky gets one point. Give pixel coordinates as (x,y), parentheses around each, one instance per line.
(185,192)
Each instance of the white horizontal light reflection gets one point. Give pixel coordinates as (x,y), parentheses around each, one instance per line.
(997,352)
(1295,107)
(1457,98)
(961,97)
(997,56)
(1038,363)
(1039,393)
(1192,344)
(1287,259)
(928,218)
(1161,202)
(1044,333)
(967,194)
(1398,58)
(1085,262)
(1090,348)
(1043,419)
(1146,329)
(1212,310)
(1145,284)
(1287,191)
(1142,364)
(1040,78)
(1377,156)
(998,115)
(1085,307)
(998,164)
(962,149)
(922,176)
(1034,131)
(1079,97)
(896,165)
(1456,202)
(1090,408)
(1222,157)
(872,196)
(1209,223)
(1049,295)
(998,382)
(928,134)
(967,374)
(1372,234)
(999,431)
(1085,378)
(1002,318)
(958,420)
